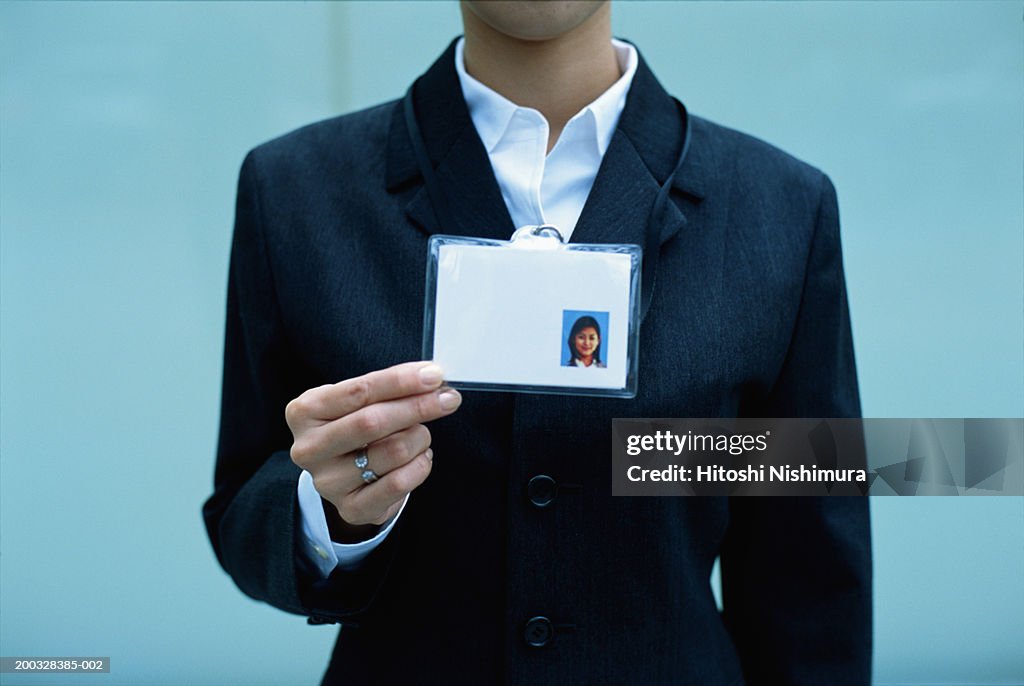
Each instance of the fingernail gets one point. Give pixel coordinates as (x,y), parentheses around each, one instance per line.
(450,399)
(430,454)
(431,375)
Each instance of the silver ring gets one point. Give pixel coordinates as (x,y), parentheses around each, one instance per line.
(363,464)
(362,461)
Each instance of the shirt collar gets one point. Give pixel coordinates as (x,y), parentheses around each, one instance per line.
(491,112)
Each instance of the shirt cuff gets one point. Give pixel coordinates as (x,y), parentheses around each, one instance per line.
(324,553)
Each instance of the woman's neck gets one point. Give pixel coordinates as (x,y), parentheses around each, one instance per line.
(557,77)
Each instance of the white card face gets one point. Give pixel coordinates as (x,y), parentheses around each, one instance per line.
(532,317)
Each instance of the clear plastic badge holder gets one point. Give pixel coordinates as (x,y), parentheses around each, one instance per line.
(533,314)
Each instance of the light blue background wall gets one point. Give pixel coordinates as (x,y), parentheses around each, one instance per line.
(121,131)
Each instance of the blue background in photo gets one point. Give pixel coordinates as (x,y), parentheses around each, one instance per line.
(569,318)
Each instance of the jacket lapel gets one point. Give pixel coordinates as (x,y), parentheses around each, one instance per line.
(642,154)
(461,165)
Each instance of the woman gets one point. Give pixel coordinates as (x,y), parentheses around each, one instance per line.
(585,343)
(494,572)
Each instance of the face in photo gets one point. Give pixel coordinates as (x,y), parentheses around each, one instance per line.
(584,346)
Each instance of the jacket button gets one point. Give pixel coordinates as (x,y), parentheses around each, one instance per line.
(538,632)
(542,490)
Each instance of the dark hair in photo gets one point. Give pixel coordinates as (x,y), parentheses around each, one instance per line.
(579,325)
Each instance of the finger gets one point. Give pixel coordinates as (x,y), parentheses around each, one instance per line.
(374,501)
(330,402)
(397,450)
(379,420)
(338,475)
(389,513)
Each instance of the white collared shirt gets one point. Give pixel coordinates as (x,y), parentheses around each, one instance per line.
(538,187)
(541,187)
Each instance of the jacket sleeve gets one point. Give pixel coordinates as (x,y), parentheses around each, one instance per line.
(796,571)
(253,518)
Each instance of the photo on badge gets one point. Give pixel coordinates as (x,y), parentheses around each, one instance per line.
(584,333)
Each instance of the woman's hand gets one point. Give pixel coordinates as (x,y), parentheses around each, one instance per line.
(379,415)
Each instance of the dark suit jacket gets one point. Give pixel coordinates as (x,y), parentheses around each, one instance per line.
(749,317)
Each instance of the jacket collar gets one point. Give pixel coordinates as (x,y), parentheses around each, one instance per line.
(642,153)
